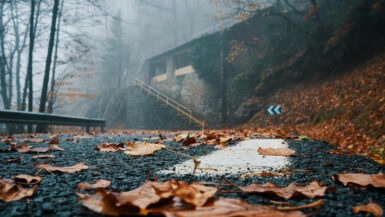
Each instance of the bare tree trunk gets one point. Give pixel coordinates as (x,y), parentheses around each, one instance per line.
(3,63)
(19,50)
(43,98)
(10,79)
(28,78)
(52,97)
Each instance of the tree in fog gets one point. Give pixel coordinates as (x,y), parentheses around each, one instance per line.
(115,58)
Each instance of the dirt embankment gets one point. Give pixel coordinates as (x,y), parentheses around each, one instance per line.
(347,111)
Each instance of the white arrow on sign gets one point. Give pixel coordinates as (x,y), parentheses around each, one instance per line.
(277,108)
(270,110)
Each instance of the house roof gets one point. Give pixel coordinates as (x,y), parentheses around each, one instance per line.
(222,26)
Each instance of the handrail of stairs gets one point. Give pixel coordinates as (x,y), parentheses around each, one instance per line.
(169,101)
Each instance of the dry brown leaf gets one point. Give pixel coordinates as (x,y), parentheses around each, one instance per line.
(27,179)
(72,169)
(310,190)
(53,141)
(180,138)
(23,148)
(143,148)
(103,202)
(55,147)
(225,207)
(39,150)
(286,152)
(109,147)
(371,207)
(220,146)
(189,141)
(375,180)
(194,194)
(12,160)
(102,183)
(42,156)
(10,191)
(7,140)
(159,195)
(145,195)
(31,140)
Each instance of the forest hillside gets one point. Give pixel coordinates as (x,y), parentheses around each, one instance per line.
(347,111)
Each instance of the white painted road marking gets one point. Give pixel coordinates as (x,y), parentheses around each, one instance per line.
(240,158)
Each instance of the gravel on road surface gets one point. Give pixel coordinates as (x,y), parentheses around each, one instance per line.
(55,194)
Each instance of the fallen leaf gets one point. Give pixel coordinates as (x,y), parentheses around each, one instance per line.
(109,147)
(375,180)
(42,156)
(55,147)
(371,207)
(53,141)
(161,136)
(23,148)
(103,202)
(228,207)
(194,194)
(220,146)
(310,190)
(7,140)
(189,141)
(10,191)
(31,140)
(143,148)
(39,150)
(286,152)
(72,169)
(102,183)
(180,138)
(12,160)
(194,200)
(27,179)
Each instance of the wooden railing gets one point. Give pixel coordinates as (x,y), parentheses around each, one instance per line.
(181,109)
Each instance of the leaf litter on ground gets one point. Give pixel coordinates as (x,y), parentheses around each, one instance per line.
(71,169)
(173,198)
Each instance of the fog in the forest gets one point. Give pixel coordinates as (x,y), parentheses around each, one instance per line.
(219,60)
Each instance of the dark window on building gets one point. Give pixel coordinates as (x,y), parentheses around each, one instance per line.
(158,68)
(181,60)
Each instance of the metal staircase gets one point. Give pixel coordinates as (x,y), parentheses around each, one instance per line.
(181,109)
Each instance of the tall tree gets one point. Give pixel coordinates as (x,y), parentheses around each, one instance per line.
(28,88)
(3,62)
(19,47)
(43,98)
(51,98)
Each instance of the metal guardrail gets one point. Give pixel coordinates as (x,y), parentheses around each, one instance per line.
(169,101)
(21,117)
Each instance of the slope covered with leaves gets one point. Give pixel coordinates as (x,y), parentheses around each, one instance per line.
(347,111)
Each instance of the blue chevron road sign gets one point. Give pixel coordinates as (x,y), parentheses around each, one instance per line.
(274,110)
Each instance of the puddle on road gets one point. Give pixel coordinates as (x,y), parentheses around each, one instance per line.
(238,159)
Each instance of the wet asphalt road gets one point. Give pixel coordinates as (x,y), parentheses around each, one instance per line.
(55,194)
